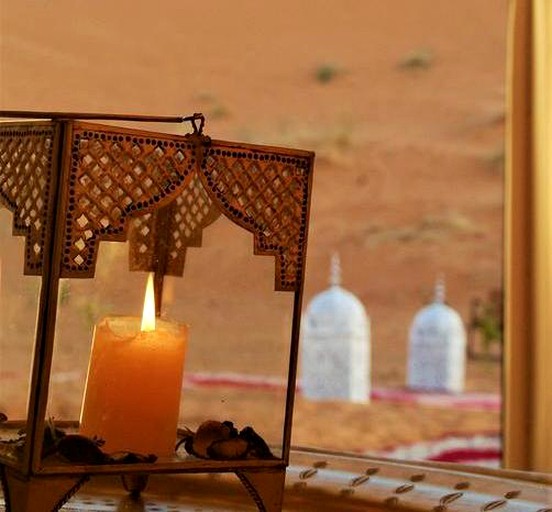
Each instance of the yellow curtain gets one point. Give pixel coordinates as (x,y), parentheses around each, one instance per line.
(528,239)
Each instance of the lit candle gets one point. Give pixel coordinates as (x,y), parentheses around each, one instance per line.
(132,395)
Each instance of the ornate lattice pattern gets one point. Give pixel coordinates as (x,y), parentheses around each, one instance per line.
(26,154)
(171,229)
(266,191)
(172,186)
(115,174)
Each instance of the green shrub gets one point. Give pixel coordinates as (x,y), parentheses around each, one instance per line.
(326,73)
(417,59)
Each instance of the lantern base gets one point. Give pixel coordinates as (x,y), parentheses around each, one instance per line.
(266,488)
(49,494)
(27,494)
(134,484)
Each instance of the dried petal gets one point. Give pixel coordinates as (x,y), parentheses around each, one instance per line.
(228,450)
(209,432)
(81,450)
(258,449)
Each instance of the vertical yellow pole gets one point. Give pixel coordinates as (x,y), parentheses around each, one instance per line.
(541,445)
(518,241)
(528,241)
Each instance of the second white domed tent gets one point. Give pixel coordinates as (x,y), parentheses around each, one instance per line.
(437,347)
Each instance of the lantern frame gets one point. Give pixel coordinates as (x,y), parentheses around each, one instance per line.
(78,169)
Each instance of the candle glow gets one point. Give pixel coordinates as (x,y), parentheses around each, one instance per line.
(148,314)
(134,382)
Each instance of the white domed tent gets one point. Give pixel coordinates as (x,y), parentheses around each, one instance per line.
(437,347)
(336,345)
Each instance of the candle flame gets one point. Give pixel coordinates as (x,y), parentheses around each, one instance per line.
(148,316)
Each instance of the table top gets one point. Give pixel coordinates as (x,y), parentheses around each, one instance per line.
(334,482)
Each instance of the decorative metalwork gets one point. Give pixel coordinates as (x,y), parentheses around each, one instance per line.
(183,220)
(266,489)
(71,492)
(72,184)
(113,175)
(265,191)
(26,154)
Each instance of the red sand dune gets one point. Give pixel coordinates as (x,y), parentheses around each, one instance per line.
(408,131)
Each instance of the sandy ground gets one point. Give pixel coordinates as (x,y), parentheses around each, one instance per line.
(404,104)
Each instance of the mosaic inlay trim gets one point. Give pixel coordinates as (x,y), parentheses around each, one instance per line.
(264,190)
(115,175)
(169,230)
(165,188)
(26,153)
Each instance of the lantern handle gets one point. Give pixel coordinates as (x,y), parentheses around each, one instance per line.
(88,116)
(198,116)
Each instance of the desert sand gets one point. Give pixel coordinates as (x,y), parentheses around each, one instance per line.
(403,103)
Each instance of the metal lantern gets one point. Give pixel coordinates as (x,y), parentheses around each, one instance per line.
(68,183)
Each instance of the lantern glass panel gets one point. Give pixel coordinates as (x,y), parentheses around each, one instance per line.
(82,303)
(238,345)
(19,299)
(240,330)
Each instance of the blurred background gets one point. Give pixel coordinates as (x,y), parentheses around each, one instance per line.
(403,103)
